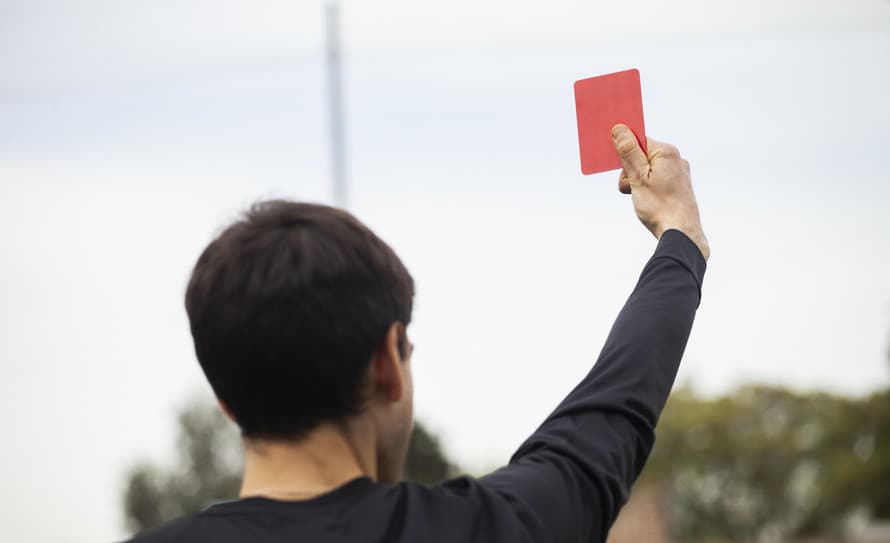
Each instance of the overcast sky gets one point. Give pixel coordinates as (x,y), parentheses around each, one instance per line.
(130,132)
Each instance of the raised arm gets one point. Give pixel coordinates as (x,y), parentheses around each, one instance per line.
(569,480)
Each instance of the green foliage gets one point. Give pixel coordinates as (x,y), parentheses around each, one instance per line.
(768,463)
(208,468)
(425,462)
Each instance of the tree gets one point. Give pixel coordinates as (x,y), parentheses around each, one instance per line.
(425,462)
(208,468)
(766,463)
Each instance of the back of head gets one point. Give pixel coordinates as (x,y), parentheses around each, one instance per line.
(286,308)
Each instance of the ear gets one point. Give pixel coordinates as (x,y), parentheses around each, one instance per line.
(387,366)
(225,409)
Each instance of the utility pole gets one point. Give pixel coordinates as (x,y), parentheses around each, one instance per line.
(335,102)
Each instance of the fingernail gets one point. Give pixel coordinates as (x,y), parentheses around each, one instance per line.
(618,130)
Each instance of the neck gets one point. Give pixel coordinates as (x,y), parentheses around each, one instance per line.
(330,456)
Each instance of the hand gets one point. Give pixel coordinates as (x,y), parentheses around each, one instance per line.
(660,187)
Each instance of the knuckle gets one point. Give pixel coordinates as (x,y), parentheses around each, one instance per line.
(670,151)
(626,147)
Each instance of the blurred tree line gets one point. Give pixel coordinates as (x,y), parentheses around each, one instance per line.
(760,464)
(767,463)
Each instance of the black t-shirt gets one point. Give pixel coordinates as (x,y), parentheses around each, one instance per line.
(566,483)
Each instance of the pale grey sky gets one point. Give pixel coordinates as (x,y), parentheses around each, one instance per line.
(130,132)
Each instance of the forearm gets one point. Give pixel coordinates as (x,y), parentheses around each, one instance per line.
(636,368)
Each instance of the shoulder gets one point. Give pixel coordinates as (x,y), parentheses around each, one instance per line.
(464,498)
(169,532)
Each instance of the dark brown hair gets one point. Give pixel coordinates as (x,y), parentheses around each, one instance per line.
(286,308)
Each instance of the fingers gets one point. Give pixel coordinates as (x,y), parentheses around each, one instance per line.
(633,160)
(623,183)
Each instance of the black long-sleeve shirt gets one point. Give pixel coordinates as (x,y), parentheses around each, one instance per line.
(566,483)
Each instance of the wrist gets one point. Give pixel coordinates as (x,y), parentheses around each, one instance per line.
(693,232)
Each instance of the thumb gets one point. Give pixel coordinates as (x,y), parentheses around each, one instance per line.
(633,159)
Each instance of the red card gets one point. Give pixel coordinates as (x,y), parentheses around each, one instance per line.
(601,103)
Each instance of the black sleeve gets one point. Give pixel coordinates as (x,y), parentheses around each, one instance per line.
(569,480)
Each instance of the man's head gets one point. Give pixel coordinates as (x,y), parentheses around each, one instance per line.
(298,314)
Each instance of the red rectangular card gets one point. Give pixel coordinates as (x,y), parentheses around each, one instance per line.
(601,103)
